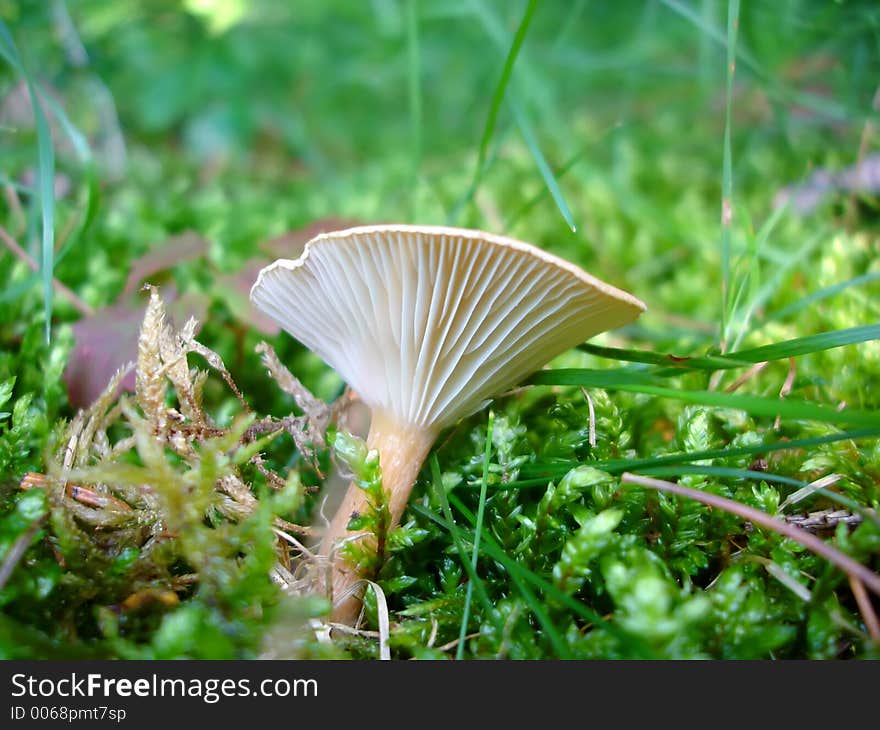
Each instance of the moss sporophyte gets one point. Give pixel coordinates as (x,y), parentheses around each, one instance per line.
(425,324)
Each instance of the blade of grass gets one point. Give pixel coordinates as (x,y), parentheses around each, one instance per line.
(723,471)
(17,550)
(45,174)
(727,170)
(616,466)
(808,490)
(636,466)
(82,307)
(8,49)
(781,269)
(738,358)
(498,97)
(46,186)
(539,196)
(546,173)
(613,378)
(478,531)
(689,14)
(473,576)
(819,295)
(574,12)
(84,154)
(780,93)
(494,551)
(752,404)
(498,33)
(686,362)
(719,471)
(530,599)
(560,173)
(15,185)
(415,99)
(757,248)
(812,343)
(466,197)
(559,644)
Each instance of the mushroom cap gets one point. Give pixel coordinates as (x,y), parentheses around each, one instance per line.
(427,323)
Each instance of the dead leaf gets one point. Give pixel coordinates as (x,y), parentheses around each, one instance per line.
(237,286)
(176,249)
(290,245)
(803,198)
(108,339)
(236,290)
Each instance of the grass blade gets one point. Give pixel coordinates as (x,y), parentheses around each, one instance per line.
(84,154)
(752,404)
(546,173)
(498,95)
(616,466)
(513,568)
(46,187)
(560,173)
(727,171)
(415,99)
(556,639)
(782,268)
(723,471)
(739,358)
(494,552)
(818,296)
(834,109)
(813,343)
(703,470)
(687,362)
(611,379)
(473,576)
(478,530)
(45,174)
(758,246)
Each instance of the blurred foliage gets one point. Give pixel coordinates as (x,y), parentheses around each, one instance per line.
(243,120)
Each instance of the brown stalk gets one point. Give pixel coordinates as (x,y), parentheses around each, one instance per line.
(843,561)
(82,307)
(863,601)
(746,376)
(14,203)
(786,387)
(18,549)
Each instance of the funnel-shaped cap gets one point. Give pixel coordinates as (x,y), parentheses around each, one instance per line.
(426,323)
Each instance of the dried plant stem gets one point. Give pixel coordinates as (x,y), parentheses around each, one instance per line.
(843,561)
(746,376)
(786,387)
(402,450)
(454,643)
(17,551)
(82,307)
(14,203)
(863,601)
(592,412)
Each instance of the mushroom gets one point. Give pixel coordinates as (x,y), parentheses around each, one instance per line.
(427,323)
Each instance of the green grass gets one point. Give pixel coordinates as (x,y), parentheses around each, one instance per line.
(614,135)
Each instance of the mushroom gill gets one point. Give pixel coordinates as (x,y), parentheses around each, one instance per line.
(426,324)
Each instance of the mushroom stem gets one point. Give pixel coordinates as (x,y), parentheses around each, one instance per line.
(402,451)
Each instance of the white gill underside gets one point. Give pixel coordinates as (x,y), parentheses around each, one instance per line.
(427,327)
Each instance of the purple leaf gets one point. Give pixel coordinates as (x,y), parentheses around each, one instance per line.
(107,340)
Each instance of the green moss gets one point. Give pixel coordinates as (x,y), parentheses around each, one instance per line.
(243,135)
